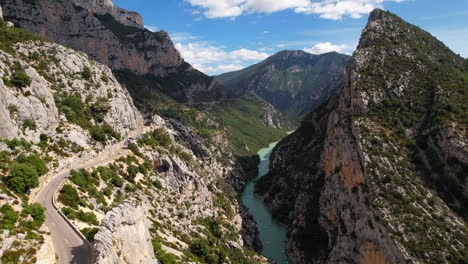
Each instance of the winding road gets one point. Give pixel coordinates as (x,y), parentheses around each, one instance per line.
(70,246)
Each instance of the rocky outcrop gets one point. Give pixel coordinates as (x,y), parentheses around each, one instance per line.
(103,7)
(346,182)
(116,37)
(30,111)
(124,236)
(293,81)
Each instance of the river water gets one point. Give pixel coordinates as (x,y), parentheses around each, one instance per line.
(272,233)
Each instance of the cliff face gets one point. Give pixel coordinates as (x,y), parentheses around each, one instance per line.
(60,110)
(363,185)
(59,107)
(57,72)
(294,82)
(116,37)
(124,236)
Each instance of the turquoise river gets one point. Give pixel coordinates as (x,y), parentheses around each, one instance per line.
(272,233)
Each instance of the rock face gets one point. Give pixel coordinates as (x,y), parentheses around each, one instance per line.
(293,81)
(116,37)
(353,183)
(124,236)
(31,111)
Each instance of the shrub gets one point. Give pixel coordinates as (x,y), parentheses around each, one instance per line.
(29,124)
(86,73)
(161,255)
(157,184)
(74,108)
(9,217)
(11,256)
(132,171)
(134,148)
(13,109)
(37,162)
(88,217)
(22,178)
(200,247)
(100,108)
(104,78)
(98,134)
(14,143)
(117,181)
(20,79)
(89,233)
(69,196)
(111,132)
(36,211)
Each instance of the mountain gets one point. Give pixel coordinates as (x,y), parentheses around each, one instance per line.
(117,38)
(145,62)
(293,81)
(377,173)
(85,177)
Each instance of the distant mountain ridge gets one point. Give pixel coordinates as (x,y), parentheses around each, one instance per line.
(293,81)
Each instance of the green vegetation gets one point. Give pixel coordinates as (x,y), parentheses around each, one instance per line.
(100,108)
(86,73)
(294,93)
(69,196)
(78,112)
(243,118)
(25,172)
(429,101)
(13,109)
(161,255)
(11,35)
(36,211)
(12,256)
(75,110)
(29,124)
(87,217)
(158,137)
(15,143)
(9,217)
(89,233)
(18,78)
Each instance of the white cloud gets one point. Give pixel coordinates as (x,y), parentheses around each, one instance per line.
(182,37)
(151,28)
(325,47)
(212,59)
(328,9)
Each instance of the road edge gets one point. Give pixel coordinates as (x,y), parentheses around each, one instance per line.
(77,231)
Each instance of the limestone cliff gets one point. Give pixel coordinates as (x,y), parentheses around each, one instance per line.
(351,183)
(116,37)
(57,72)
(124,236)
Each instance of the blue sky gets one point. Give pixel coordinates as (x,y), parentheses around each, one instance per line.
(224,35)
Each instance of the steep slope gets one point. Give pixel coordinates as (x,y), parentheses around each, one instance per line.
(117,38)
(370,175)
(293,81)
(57,108)
(62,110)
(145,62)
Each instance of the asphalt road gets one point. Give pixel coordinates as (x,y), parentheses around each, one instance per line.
(68,245)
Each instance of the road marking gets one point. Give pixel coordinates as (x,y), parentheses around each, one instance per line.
(53,224)
(66,241)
